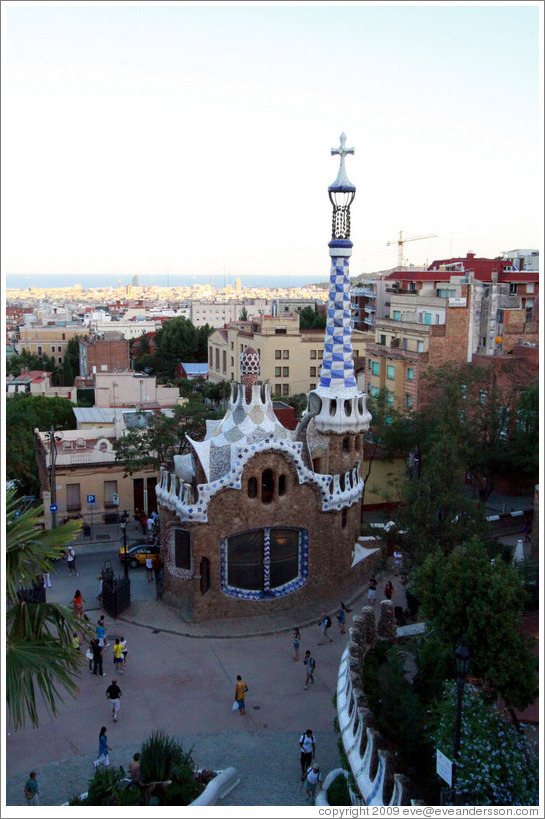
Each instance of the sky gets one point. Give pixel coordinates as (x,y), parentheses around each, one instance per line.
(196,138)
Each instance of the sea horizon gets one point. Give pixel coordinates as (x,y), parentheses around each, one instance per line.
(51,281)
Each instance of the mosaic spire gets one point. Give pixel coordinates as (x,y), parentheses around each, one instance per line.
(338,363)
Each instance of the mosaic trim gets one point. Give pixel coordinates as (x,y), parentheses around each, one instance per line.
(169,555)
(338,363)
(267,594)
(333,497)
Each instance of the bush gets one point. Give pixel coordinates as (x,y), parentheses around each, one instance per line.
(496,764)
(338,793)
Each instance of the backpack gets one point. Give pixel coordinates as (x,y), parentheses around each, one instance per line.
(311,664)
(327,622)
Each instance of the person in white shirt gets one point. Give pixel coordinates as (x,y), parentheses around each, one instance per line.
(313,781)
(307,744)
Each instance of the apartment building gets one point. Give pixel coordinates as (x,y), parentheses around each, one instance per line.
(131,389)
(290,358)
(109,353)
(89,481)
(49,339)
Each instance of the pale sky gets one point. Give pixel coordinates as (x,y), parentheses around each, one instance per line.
(141,138)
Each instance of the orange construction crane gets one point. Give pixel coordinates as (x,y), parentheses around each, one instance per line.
(401,241)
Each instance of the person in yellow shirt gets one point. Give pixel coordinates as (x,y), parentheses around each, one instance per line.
(118,654)
(240,692)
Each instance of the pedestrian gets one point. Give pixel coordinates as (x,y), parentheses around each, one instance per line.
(313,781)
(134,769)
(240,692)
(123,644)
(100,631)
(96,650)
(372,593)
(76,641)
(47,581)
(398,557)
(113,694)
(100,581)
(103,748)
(308,749)
(31,789)
(341,617)
(389,590)
(310,665)
(325,625)
(149,568)
(118,654)
(71,561)
(296,640)
(150,527)
(78,600)
(143,523)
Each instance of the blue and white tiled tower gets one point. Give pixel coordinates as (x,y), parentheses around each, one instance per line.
(336,403)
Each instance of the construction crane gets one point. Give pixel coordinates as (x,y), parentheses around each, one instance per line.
(401,241)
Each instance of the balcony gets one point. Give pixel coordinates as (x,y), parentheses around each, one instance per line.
(396,353)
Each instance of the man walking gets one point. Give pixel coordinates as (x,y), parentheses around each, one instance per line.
(113,693)
(310,665)
(240,693)
(71,561)
(31,789)
(308,749)
(325,625)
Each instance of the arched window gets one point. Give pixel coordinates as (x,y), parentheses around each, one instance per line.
(263,563)
(344,516)
(346,444)
(267,486)
(252,487)
(205,575)
(281,484)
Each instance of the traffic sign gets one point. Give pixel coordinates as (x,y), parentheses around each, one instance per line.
(53,507)
(17,514)
(91,498)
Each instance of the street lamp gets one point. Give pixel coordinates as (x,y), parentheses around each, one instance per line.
(124,530)
(462,656)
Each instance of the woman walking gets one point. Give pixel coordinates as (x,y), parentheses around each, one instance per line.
(103,748)
(78,601)
(296,642)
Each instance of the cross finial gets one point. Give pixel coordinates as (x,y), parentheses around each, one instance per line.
(342,179)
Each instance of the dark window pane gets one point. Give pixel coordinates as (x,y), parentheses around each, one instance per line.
(284,556)
(267,486)
(252,487)
(182,549)
(245,560)
(281,484)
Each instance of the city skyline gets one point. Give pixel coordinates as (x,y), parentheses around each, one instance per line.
(181,139)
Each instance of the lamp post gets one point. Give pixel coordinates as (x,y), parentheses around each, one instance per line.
(124,530)
(462,656)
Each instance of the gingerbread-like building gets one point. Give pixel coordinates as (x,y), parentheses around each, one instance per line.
(258,517)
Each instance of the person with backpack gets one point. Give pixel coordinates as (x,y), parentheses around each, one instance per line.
(310,665)
(325,625)
(341,617)
(308,749)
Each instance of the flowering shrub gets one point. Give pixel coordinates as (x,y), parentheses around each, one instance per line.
(496,765)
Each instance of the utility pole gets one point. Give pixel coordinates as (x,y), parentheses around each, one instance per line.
(53,437)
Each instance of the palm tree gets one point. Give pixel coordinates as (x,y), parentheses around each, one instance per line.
(39,653)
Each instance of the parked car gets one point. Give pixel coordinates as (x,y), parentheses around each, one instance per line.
(136,555)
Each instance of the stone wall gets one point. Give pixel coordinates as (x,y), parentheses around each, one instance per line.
(372,766)
(331,545)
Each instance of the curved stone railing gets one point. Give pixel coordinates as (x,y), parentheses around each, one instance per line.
(321,796)
(373,767)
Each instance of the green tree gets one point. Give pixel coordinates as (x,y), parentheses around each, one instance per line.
(162,437)
(467,594)
(28,361)
(67,373)
(178,340)
(311,319)
(40,659)
(24,413)
(71,357)
(244,314)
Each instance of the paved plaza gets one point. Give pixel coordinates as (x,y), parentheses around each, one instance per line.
(181,677)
